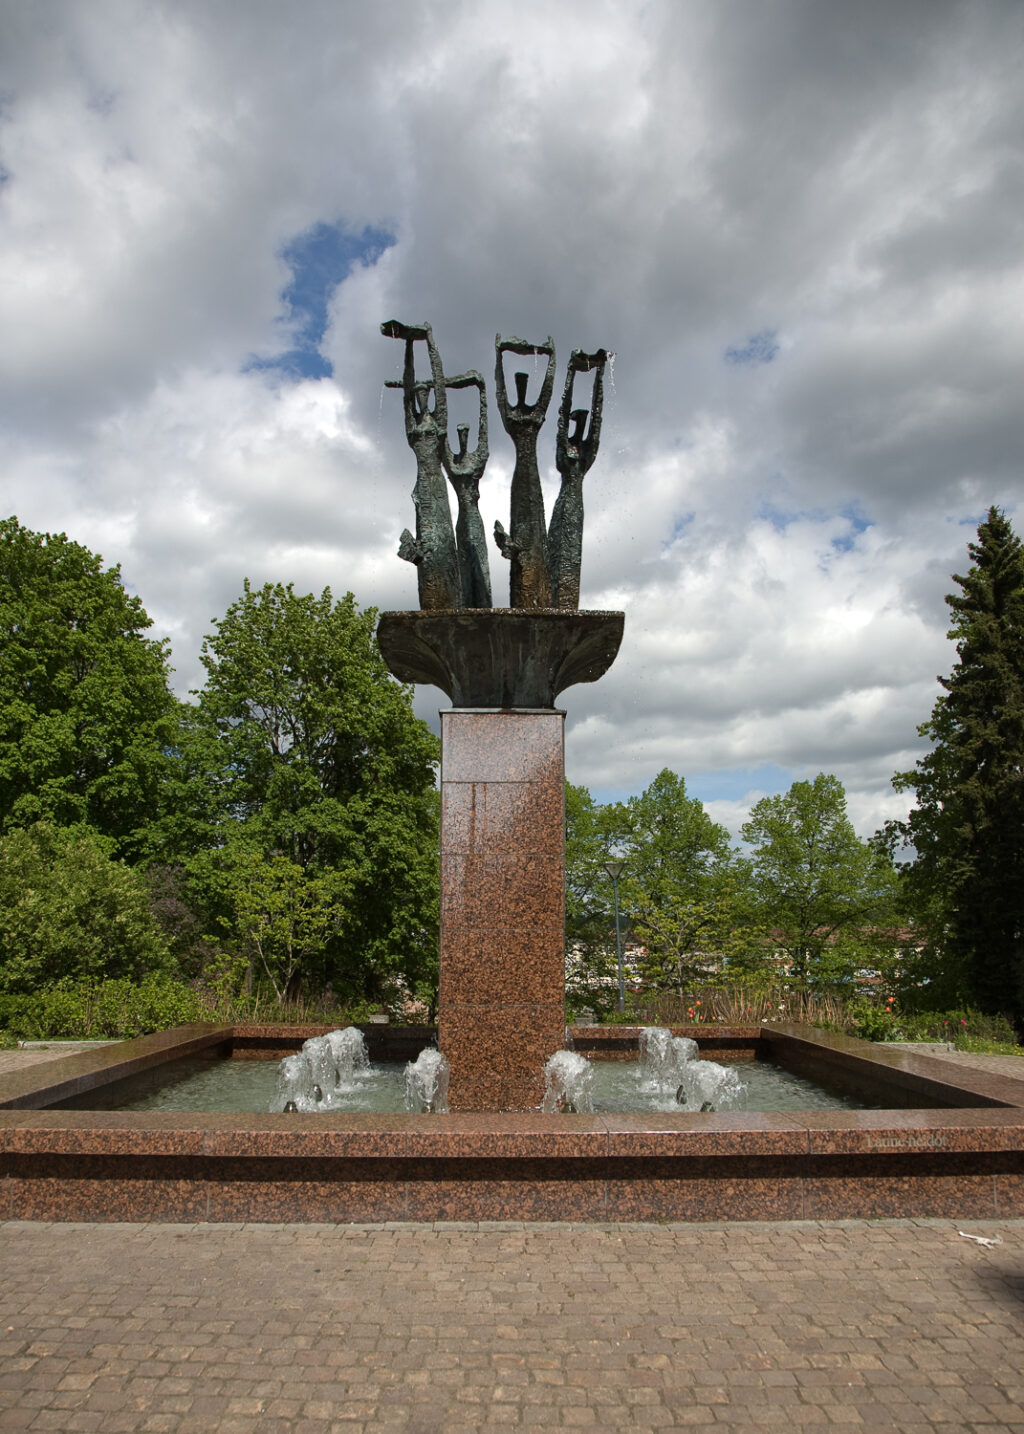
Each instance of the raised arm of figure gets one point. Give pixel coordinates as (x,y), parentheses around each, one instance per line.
(462,463)
(522,415)
(411,400)
(578,447)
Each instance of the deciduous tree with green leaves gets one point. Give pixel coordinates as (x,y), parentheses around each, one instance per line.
(826,899)
(324,773)
(86,713)
(286,915)
(589,925)
(967,828)
(682,886)
(69,909)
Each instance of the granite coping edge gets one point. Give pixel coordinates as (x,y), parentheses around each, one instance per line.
(469,1138)
(912,1069)
(71,1075)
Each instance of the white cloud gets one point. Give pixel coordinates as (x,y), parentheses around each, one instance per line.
(660,179)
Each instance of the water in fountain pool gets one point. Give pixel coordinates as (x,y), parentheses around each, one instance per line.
(249,1085)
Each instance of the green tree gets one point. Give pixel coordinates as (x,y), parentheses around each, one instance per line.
(826,898)
(69,909)
(85,709)
(589,922)
(682,885)
(967,828)
(286,915)
(318,763)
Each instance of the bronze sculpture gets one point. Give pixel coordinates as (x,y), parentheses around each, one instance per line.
(575,452)
(453,572)
(526,542)
(433,548)
(464,472)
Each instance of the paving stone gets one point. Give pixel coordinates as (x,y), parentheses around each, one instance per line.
(425,1329)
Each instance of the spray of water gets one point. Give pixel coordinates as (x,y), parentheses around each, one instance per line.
(670,1074)
(705,1085)
(568,1083)
(324,1074)
(426,1082)
(663,1056)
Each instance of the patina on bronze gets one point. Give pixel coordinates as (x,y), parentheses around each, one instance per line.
(526,542)
(464,472)
(575,451)
(433,548)
(523,656)
(501,658)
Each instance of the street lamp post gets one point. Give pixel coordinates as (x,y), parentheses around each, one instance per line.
(614,870)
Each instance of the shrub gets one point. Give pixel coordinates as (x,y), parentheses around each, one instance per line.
(116,1009)
(68,910)
(119,1009)
(874,1023)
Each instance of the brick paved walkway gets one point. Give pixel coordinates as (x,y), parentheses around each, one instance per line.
(897,1325)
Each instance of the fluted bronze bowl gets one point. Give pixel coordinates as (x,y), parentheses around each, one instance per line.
(500,657)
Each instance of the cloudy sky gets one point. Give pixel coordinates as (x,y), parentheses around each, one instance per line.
(799,224)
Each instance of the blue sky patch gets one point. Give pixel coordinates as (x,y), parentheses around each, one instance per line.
(759,348)
(858,524)
(731,784)
(779,518)
(680,523)
(727,784)
(320,259)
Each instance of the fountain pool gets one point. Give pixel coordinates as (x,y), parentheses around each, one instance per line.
(928,1140)
(204,1084)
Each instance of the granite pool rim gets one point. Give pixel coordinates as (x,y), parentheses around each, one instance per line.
(962,1158)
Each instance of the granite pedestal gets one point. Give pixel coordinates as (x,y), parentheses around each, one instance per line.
(502,995)
(502,991)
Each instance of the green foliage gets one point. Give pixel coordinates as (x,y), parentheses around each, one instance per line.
(114,1009)
(195,954)
(873,1022)
(678,885)
(827,898)
(68,908)
(119,1009)
(591,965)
(286,913)
(308,814)
(984,1046)
(682,893)
(967,829)
(85,710)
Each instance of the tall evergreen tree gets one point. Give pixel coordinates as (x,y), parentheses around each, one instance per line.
(967,829)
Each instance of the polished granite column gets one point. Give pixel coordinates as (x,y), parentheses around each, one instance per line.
(502,996)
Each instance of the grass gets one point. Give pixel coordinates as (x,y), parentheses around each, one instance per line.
(978,1045)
